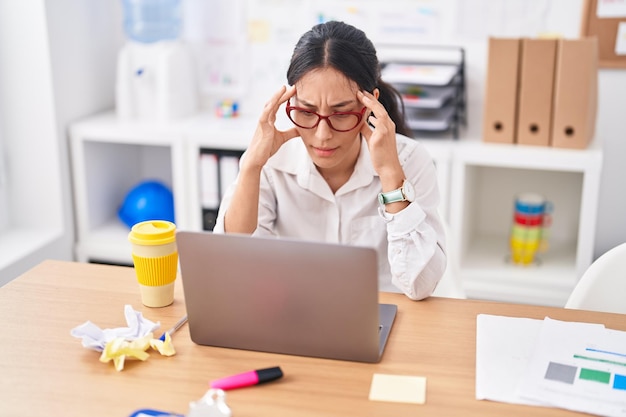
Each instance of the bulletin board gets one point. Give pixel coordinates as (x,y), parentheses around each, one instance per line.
(606,19)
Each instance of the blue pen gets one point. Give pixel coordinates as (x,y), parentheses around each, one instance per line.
(177,326)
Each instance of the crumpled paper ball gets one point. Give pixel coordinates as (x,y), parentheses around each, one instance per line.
(121,343)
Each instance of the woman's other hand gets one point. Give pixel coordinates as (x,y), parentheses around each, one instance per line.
(381,141)
(267,138)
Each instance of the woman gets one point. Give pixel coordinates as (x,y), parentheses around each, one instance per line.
(350,178)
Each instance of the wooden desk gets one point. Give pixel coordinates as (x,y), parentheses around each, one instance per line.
(46,371)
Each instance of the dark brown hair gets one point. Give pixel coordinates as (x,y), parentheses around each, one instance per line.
(348,50)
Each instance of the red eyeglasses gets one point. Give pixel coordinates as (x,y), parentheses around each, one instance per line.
(342,121)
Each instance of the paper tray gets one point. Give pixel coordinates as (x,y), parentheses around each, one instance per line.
(425,97)
(429,119)
(435,74)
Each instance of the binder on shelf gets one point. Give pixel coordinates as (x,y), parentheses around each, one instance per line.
(218,169)
(229,168)
(500,109)
(536,84)
(575,93)
(209,185)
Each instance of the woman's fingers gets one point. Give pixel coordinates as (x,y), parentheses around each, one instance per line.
(381,122)
(289,92)
(372,103)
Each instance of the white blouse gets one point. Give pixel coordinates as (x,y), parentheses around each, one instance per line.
(296,202)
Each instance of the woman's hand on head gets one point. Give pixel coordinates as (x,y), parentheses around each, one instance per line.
(267,138)
(381,140)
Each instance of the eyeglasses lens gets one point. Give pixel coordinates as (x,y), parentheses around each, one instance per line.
(308,120)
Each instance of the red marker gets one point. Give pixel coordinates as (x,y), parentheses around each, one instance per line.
(247,379)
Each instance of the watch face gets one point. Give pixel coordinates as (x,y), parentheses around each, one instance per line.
(408,191)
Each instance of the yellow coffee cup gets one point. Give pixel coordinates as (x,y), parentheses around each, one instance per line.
(155,257)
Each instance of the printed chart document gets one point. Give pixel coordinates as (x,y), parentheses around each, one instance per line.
(578,366)
(571,365)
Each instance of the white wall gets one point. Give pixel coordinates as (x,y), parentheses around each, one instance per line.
(57,60)
(77,68)
(33,225)
(464,23)
(611,131)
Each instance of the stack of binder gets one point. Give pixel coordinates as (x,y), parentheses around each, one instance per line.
(218,170)
(541,92)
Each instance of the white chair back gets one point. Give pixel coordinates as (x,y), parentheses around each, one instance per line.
(603,285)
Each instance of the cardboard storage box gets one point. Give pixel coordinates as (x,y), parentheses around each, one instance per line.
(536,86)
(500,111)
(575,93)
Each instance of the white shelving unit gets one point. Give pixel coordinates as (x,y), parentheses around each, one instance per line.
(478,182)
(208,132)
(484,181)
(109,157)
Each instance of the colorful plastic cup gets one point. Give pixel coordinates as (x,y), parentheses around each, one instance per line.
(531,203)
(523,251)
(155,256)
(529,219)
(526,233)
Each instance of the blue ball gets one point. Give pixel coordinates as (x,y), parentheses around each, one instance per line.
(148,200)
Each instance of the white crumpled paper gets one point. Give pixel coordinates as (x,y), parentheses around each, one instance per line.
(93,337)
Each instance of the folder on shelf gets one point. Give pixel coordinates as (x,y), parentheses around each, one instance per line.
(229,168)
(575,93)
(218,169)
(209,185)
(536,84)
(500,109)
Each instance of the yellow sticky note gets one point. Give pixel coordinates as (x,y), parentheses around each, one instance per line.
(259,31)
(398,388)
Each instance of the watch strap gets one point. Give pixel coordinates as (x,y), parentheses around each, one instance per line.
(391,196)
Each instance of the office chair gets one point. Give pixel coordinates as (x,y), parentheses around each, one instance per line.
(450,285)
(603,285)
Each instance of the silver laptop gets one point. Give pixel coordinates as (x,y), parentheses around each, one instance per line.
(283,296)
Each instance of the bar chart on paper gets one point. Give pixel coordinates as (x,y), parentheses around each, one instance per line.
(578,366)
(595,367)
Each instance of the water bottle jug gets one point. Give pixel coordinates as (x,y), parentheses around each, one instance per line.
(149,21)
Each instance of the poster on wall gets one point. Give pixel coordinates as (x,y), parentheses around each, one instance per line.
(611,8)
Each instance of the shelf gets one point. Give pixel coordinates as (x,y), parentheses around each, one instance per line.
(478,182)
(488,273)
(531,157)
(107,127)
(106,243)
(212,132)
(485,180)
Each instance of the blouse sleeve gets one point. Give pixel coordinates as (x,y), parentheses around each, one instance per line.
(416,239)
